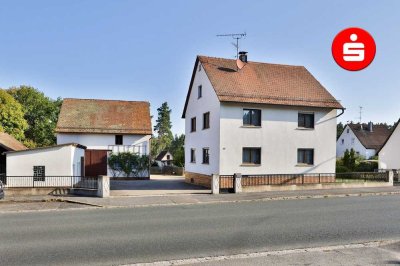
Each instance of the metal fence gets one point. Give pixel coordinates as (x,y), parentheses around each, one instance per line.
(49,182)
(227,182)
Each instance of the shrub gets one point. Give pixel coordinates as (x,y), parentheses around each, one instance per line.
(366,167)
(130,164)
(342,169)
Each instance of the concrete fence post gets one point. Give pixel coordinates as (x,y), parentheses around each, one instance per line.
(391,177)
(237,182)
(215,184)
(103,189)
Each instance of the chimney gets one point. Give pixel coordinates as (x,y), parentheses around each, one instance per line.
(370,125)
(243,56)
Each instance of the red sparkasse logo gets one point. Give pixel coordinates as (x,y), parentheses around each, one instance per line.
(353,49)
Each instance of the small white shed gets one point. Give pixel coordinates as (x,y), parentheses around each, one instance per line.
(44,164)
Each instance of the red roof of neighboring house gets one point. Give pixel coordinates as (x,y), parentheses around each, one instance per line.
(104,116)
(371,140)
(263,83)
(9,143)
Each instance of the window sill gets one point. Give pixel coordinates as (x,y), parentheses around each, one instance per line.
(206,128)
(305,128)
(250,165)
(192,131)
(193,162)
(304,165)
(249,126)
(205,163)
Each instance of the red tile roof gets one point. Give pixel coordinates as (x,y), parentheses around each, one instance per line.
(371,140)
(9,143)
(104,116)
(264,83)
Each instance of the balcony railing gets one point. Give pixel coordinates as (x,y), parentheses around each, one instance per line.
(139,149)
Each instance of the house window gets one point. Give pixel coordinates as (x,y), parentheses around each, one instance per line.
(192,155)
(206,120)
(305,156)
(348,131)
(119,139)
(306,120)
(193,125)
(199,67)
(252,117)
(199,92)
(251,156)
(206,156)
(39,173)
(352,140)
(342,141)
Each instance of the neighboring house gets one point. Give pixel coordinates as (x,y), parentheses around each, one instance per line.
(44,164)
(164,158)
(256,118)
(389,154)
(105,126)
(365,139)
(8,143)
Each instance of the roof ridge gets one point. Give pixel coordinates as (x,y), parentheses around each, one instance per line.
(108,100)
(253,62)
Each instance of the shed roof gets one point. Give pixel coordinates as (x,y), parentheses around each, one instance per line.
(50,147)
(9,143)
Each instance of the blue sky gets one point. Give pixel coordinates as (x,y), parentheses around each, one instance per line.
(145,50)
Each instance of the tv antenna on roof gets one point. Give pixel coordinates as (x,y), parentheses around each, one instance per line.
(237,37)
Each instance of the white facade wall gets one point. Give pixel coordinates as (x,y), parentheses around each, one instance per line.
(389,155)
(207,138)
(107,141)
(279,138)
(348,140)
(58,161)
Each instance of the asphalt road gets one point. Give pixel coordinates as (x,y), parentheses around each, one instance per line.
(129,235)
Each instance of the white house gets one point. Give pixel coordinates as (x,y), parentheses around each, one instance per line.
(46,165)
(389,154)
(257,118)
(164,158)
(364,139)
(104,126)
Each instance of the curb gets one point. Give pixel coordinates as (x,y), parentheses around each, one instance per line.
(245,200)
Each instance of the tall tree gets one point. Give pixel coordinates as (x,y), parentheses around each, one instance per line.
(41,113)
(339,130)
(12,116)
(163,128)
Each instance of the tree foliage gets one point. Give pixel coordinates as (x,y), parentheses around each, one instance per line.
(12,116)
(339,130)
(177,150)
(40,112)
(163,128)
(349,159)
